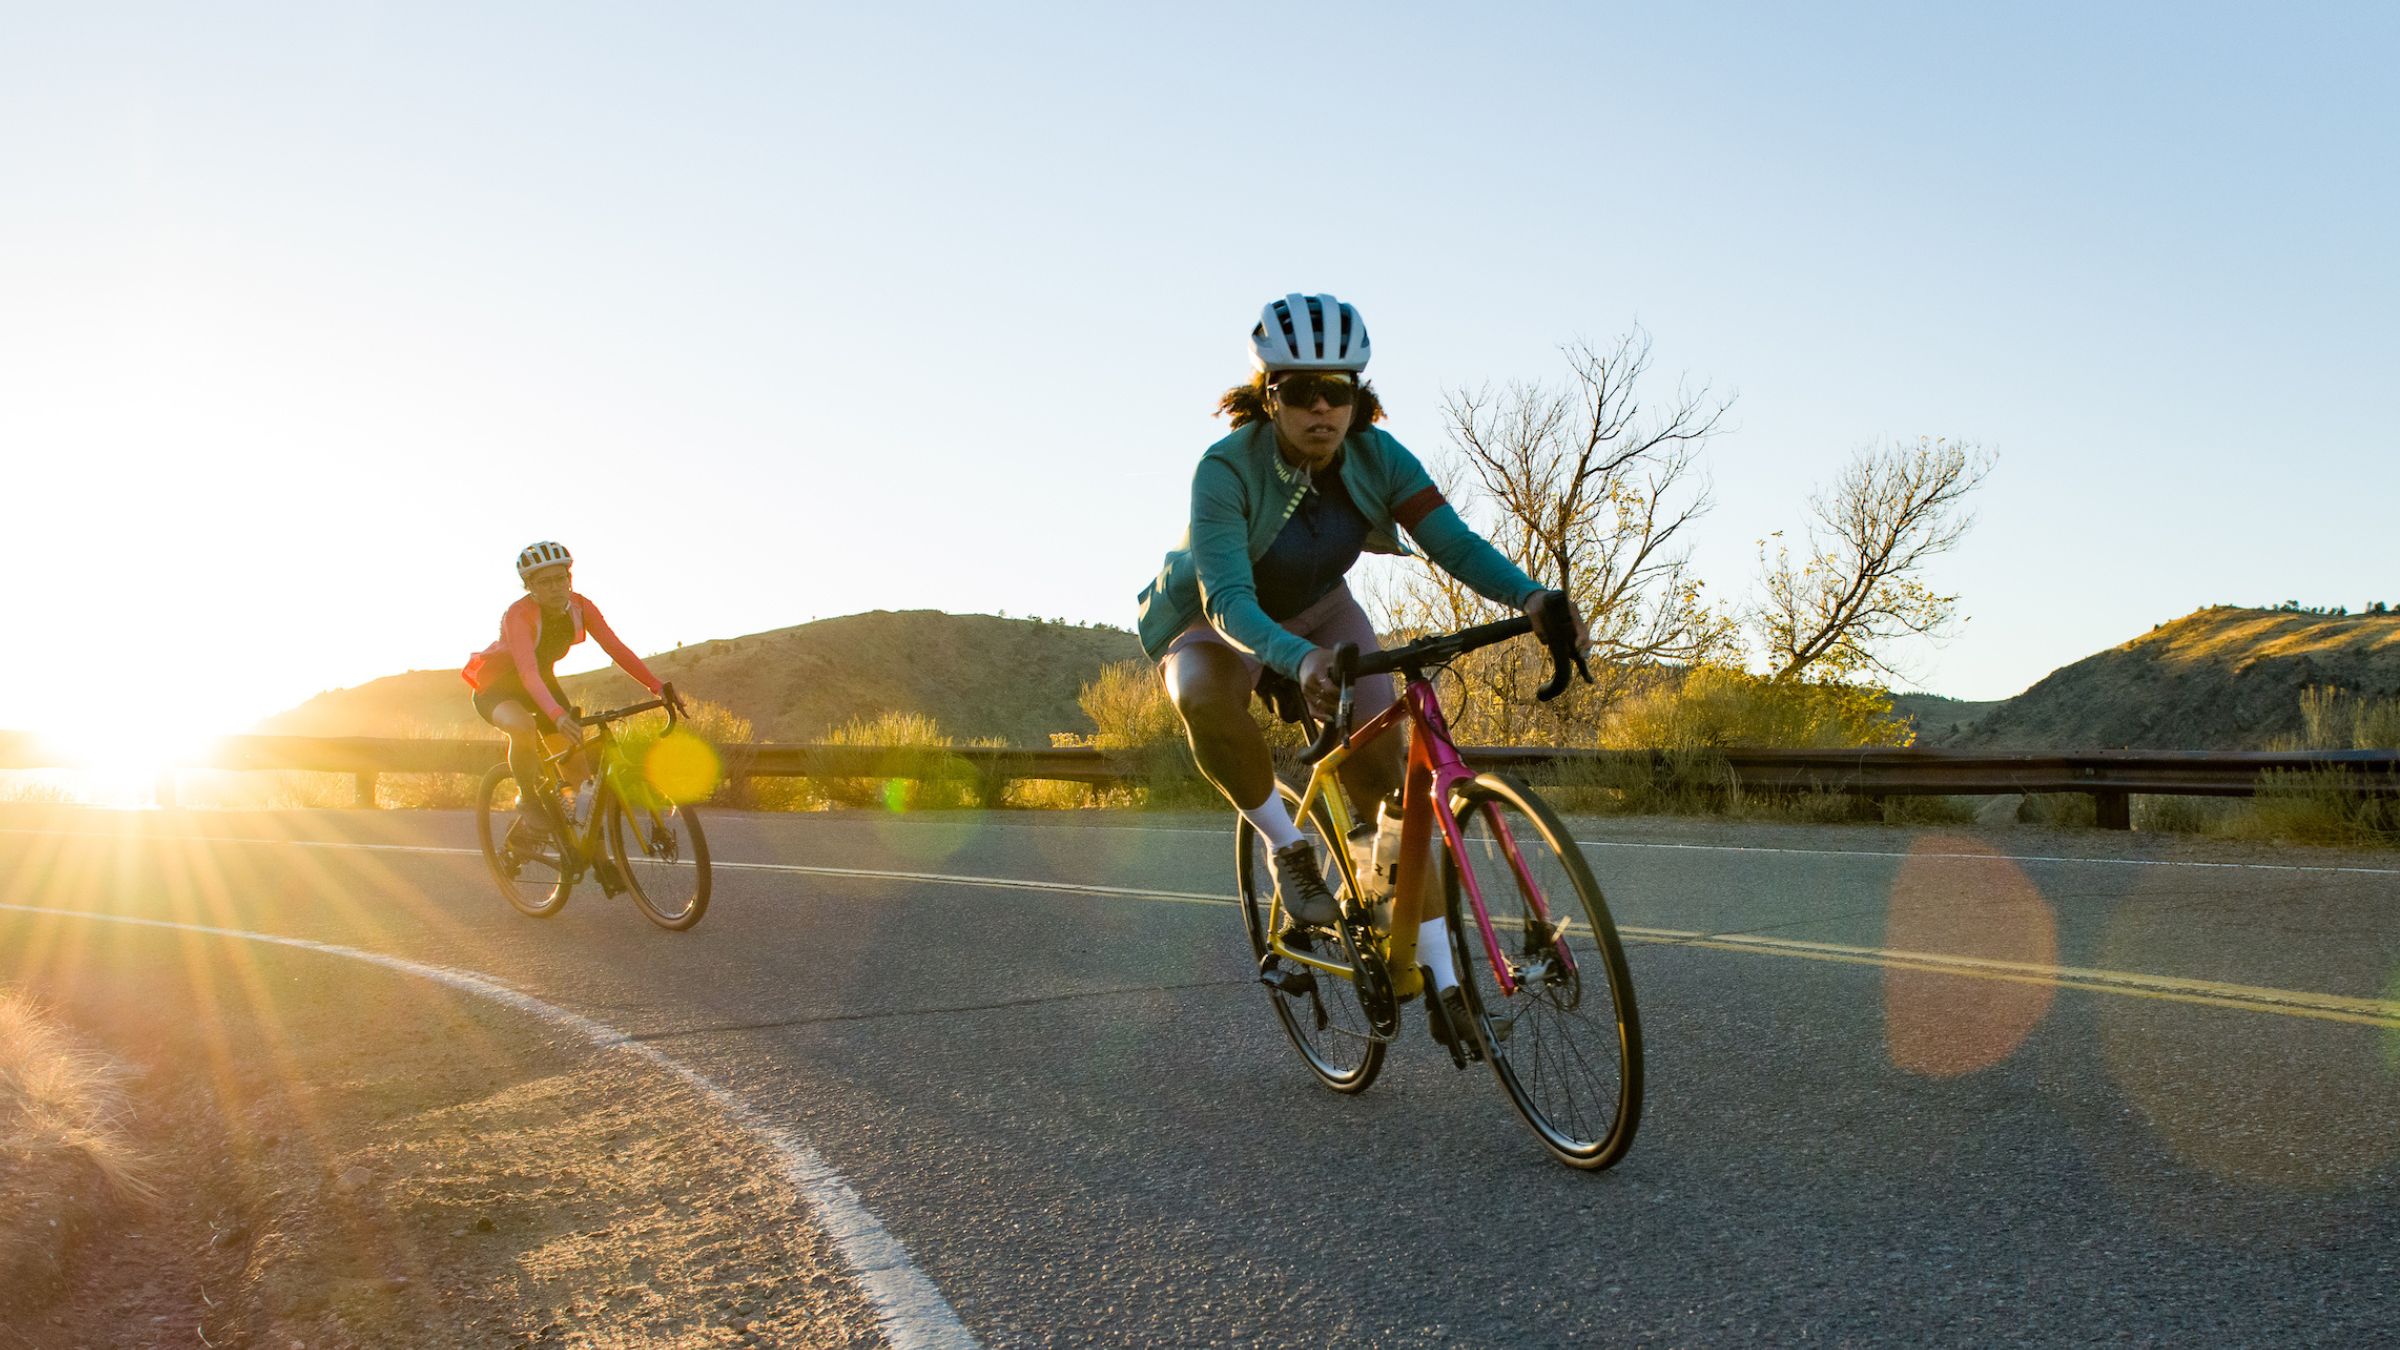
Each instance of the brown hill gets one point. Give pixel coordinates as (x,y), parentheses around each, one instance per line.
(2216,679)
(977,675)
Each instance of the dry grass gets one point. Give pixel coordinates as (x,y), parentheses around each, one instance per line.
(61,1106)
(2312,807)
(2226,635)
(32,788)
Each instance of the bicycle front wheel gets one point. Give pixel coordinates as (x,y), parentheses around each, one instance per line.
(1319,1011)
(528,872)
(1565,1041)
(663,856)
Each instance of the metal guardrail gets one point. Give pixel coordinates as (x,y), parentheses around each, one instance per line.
(2110,777)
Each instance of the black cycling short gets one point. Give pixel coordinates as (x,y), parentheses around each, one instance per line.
(511,689)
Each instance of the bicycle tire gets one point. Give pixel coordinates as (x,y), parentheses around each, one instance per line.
(535,884)
(1570,1063)
(1327,1023)
(667,869)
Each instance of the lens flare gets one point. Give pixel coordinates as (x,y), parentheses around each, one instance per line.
(682,767)
(2266,1101)
(1944,1025)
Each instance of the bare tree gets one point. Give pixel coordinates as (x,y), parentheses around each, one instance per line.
(1893,510)
(1591,490)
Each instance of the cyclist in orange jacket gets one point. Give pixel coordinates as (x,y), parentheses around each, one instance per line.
(515,687)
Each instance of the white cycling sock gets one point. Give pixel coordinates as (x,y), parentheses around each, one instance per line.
(1433,952)
(1273,820)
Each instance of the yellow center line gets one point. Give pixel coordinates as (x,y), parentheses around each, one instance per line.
(2371,1012)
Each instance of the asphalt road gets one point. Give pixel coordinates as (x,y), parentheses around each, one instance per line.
(1904,1086)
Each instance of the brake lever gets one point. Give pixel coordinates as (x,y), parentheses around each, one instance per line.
(1337,727)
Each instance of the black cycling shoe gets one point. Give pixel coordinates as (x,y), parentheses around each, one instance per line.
(526,834)
(1446,1016)
(1302,887)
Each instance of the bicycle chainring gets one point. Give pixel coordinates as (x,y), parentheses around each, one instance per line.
(1374,979)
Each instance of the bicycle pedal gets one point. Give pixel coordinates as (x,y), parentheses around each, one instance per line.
(1453,1034)
(611,881)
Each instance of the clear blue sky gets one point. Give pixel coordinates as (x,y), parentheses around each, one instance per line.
(311,315)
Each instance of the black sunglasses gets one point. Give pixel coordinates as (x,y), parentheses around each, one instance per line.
(1303,388)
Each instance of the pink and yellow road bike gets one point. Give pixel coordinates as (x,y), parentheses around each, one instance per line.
(1547,1001)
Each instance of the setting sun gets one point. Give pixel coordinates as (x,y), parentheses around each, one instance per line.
(113,764)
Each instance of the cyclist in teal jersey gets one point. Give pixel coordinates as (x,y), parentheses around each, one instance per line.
(1281,509)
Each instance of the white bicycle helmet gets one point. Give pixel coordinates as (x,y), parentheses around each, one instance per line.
(541,555)
(1308,332)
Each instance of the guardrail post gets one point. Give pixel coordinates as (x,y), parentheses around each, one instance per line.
(364,796)
(2113,810)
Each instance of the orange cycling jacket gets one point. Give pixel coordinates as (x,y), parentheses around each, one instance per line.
(520,630)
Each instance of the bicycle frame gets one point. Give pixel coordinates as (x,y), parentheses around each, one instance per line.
(1435,770)
(605,757)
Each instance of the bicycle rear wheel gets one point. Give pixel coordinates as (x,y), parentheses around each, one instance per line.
(1566,1045)
(528,873)
(1321,1013)
(663,857)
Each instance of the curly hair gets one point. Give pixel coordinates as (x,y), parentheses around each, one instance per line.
(1247,403)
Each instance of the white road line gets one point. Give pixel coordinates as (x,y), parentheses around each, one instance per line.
(909,1309)
(1227,833)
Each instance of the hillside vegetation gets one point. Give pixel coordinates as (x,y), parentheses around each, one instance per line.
(2222,678)
(977,675)
(2219,678)
(1937,720)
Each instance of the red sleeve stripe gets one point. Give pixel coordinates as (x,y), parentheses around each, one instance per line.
(1412,512)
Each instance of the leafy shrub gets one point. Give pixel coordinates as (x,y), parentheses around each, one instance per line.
(1718,707)
(904,733)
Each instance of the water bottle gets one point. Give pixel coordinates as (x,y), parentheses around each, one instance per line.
(1386,867)
(1362,857)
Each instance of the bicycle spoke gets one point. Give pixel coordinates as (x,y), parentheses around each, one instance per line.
(1326,1023)
(531,879)
(1566,1039)
(662,855)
